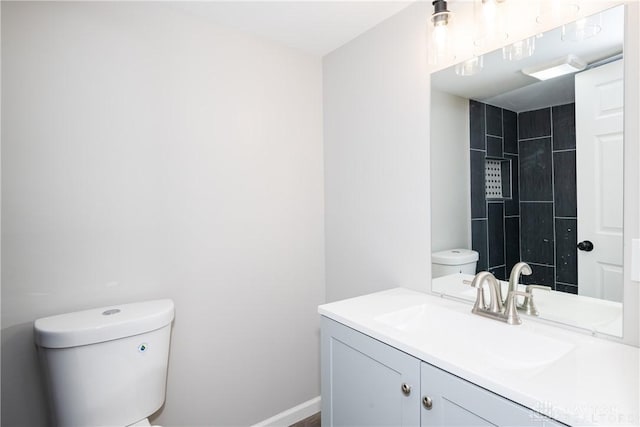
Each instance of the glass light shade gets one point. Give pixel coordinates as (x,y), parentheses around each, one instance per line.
(470,66)
(440,46)
(519,50)
(582,29)
(554,12)
(490,23)
(440,36)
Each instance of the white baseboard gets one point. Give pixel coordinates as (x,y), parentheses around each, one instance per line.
(292,415)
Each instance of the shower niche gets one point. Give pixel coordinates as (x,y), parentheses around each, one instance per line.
(497,179)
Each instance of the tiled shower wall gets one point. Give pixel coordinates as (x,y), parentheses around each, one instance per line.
(538,224)
(494,224)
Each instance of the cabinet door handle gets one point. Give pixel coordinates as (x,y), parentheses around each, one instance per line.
(406,389)
(427,402)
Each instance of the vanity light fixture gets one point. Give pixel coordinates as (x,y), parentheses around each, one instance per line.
(560,67)
(440,18)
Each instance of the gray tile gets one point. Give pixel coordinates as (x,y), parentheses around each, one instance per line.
(512,207)
(534,124)
(564,127)
(494,120)
(570,289)
(566,251)
(510,131)
(564,183)
(499,272)
(535,172)
(536,233)
(478,193)
(512,241)
(496,234)
(494,146)
(505,171)
(476,125)
(541,275)
(479,242)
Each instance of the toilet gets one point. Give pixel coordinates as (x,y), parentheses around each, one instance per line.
(106,366)
(453,261)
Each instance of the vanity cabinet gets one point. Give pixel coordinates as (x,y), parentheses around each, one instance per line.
(366,382)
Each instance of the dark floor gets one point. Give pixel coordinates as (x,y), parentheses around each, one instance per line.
(312,421)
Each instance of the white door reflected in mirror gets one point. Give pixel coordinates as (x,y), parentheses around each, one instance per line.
(599,173)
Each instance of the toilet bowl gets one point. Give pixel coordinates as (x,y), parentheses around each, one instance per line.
(106,366)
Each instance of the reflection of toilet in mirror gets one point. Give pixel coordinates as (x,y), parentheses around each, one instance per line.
(106,366)
(453,261)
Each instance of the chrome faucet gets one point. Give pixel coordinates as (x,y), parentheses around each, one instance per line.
(495,309)
(521,268)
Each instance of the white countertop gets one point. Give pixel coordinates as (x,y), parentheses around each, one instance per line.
(571,377)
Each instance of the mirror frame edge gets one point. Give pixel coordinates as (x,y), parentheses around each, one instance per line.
(631,308)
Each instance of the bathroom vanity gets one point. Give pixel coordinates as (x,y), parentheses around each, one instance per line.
(402,357)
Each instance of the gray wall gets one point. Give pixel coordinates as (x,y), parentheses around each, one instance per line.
(148,154)
(450,199)
(376,133)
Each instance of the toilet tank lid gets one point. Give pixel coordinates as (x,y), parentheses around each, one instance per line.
(454,257)
(102,324)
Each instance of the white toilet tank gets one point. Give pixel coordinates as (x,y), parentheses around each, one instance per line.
(453,261)
(106,366)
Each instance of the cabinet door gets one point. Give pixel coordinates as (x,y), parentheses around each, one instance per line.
(366,382)
(457,402)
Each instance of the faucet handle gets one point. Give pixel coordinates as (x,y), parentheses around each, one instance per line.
(480,302)
(527,305)
(528,288)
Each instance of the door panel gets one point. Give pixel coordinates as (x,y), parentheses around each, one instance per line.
(362,380)
(457,402)
(599,175)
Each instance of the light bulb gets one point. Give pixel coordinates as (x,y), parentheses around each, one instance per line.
(440,33)
(489,11)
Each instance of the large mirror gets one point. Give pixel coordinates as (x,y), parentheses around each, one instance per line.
(528,166)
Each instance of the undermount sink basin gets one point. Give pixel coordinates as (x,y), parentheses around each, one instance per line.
(506,347)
